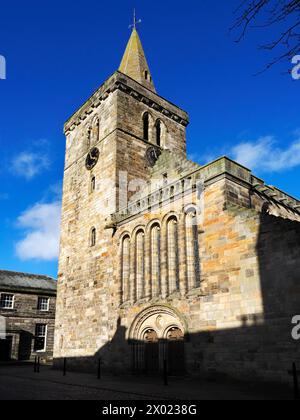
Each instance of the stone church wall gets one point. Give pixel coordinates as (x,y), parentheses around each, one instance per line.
(230,283)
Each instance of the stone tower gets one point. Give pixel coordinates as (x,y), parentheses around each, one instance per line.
(112,141)
(164,259)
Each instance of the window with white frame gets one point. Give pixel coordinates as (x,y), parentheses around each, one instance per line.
(6,301)
(43,304)
(40,337)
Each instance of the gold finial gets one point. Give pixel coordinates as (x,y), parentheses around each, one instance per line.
(135,21)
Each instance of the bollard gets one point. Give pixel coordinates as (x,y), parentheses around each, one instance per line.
(35,365)
(99,369)
(165,373)
(65,367)
(296,384)
(38,365)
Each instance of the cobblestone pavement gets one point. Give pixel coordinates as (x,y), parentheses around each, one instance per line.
(12,388)
(21,383)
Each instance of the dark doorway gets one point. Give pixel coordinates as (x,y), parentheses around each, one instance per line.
(5,349)
(25,345)
(151,352)
(176,356)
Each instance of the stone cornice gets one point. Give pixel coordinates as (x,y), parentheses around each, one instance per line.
(206,175)
(119,81)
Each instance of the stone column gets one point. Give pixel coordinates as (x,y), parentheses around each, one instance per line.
(140,265)
(173,262)
(132,271)
(120,275)
(148,288)
(190,250)
(126,269)
(182,255)
(155,261)
(164,262)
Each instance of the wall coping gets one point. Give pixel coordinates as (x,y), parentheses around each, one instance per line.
(205,175)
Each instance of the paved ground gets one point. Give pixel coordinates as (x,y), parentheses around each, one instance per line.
(21,383)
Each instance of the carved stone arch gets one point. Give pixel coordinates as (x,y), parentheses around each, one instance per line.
(172,239)
(168,216)
(122,236)
(169,328)
(187,208)
(137,229)
(154,239)
(151,352)
(139,258)
(125,257)
(147,111)
(151,224)
(96,120)
(192,246)
(160,318)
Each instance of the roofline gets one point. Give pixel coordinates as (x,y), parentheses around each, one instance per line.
(28,290)
(29,274)
(155,93)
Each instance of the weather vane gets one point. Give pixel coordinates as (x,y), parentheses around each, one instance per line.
(135,21)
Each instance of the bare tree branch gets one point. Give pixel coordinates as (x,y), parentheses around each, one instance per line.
(283,15)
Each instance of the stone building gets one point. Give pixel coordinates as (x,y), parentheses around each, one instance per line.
(164,259)
(27,314)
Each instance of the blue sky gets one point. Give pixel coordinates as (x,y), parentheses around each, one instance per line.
(59,52)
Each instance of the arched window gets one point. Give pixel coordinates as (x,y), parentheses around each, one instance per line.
(93,236)
(93,184)
(125,267)
(192,249)
(88,137)
(146,74)
(140,264)
(173,259)
(158,132)
(155,260)
(146,126)
(95,130)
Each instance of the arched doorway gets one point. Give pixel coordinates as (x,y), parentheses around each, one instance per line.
(151,351)
(175,349)
(158,334)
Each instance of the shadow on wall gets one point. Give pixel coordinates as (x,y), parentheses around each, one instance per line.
(261,349)
(16,346)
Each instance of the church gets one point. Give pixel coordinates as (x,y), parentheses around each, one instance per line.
(163,261)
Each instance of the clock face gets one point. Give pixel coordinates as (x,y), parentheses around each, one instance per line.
(92,158)
(152,154)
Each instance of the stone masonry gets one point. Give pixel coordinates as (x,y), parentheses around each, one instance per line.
(162,259)
(17,341)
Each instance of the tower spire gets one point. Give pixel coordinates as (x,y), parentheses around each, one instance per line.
(134,63)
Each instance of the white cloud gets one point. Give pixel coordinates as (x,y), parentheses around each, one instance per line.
(265,155)
(56,190)
(41,224)
(29,164)
(262,155)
